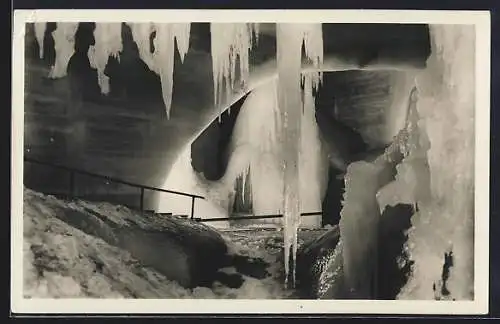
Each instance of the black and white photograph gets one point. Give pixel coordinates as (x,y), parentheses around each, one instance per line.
(250,161)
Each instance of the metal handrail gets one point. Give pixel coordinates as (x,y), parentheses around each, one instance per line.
(74,171)
(254,217)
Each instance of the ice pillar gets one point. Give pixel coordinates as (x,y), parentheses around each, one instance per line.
(289,41)
(444,223)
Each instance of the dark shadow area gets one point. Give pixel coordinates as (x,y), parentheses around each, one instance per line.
(252,267)
(393,264)
(384,43)
(311,263)
(332,202)
(209,151)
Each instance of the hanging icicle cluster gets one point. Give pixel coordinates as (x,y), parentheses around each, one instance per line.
(228,42)
(289,40)
(108,42)
(40,35)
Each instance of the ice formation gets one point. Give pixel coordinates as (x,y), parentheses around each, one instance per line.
(359,222)
(40,34)
(289,40)
(229,41)
(255,139)
(64,44)
(108,42)
(444,222)
(164,55)
(254,156)
(434,172)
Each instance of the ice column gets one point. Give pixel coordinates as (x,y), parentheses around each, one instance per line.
(40,34)
(289,40)
(108,42)
(444,222)
(64,44)
(228,41)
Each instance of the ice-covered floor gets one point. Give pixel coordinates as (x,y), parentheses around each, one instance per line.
(61,261)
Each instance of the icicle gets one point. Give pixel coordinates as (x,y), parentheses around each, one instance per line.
(161,61)
(313,44)
(289,39)
(164,55)
(164,61)
(229,41)
(64,44)
(108,42)
(40,35)
(181,32)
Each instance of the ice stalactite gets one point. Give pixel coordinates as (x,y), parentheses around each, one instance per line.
(161,61)
(229,41)
(444,222)
(289,41)
(164,55)
(40,35)
(64,45)
(108,42)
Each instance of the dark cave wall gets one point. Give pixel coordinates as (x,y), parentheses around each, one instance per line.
(209,151)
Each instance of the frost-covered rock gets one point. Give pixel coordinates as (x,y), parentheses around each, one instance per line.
(180,250)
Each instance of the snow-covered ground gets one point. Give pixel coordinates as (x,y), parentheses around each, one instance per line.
(62,261)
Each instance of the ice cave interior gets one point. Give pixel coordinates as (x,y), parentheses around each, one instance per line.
(266,119)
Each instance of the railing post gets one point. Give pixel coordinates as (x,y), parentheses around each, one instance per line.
(141,203)
(71,184)
(192,207)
